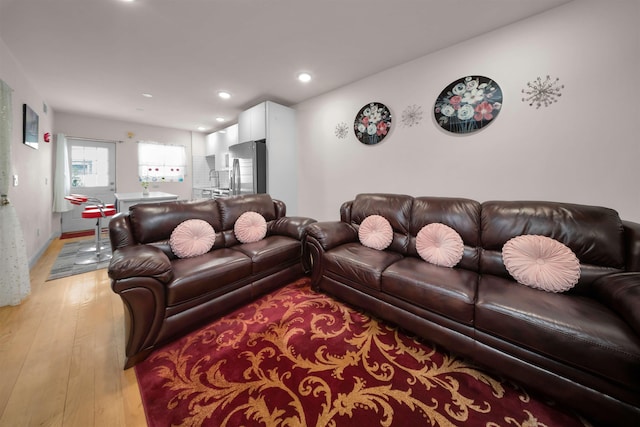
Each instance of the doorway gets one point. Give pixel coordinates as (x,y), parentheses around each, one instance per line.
(93,171)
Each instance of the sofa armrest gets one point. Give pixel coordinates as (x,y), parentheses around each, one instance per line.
(140,261)
(632,237)
(621,293)
(291,226)
(331,234)
(120,233)
(139,274)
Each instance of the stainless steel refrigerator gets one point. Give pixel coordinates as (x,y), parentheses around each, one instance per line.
(248,168)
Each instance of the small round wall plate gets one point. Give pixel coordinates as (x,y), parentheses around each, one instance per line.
(468,104)
(372,123)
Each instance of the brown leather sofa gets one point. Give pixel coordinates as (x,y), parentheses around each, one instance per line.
(580,347)
(165,296)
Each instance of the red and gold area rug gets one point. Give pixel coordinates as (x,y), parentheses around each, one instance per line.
(297,358)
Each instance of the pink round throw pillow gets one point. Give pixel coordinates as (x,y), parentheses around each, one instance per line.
(439,244)
(191,238)
(541,262)
(375,232)
(250,227)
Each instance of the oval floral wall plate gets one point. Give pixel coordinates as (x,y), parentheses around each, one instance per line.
(468,104)
(372,123)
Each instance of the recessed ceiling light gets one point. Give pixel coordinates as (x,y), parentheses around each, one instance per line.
(201,128)
(224,94)
(304,77)
(147,95)
(220,119)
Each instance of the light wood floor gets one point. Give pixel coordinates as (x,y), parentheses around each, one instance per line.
(62,353)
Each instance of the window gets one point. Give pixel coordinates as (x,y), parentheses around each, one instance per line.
(161,162)
(89,166)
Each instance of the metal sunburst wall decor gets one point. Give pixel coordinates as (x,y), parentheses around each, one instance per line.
(542,92)
(342,130)
(412,115)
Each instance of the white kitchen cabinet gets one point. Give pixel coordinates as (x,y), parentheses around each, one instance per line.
(217,144)
(252,123)
(211,143)
(277,124)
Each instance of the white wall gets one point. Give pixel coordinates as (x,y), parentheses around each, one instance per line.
(127,151)
(584,149)
(282,155)
(32,198)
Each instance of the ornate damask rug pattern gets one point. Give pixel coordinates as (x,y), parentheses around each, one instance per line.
(299,358)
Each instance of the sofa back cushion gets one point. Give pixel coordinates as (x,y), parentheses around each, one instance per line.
(153,223)
(395,208)
(462,215)
(594,234)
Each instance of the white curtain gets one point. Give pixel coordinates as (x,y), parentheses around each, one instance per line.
(161,162)
(14,268)
(62,177)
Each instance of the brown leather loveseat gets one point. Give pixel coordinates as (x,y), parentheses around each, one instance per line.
(580,347)
(165,296)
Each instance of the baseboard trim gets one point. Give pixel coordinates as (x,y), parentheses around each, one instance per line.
(73,234)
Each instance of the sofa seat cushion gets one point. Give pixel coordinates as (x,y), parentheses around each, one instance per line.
(213,271)
(357,263)
(270,253)
(450,292)
(575,330)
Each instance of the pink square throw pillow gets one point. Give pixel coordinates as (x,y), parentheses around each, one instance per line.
(439,244)
(250,227)
(191,238)
(541,262)
(375,232)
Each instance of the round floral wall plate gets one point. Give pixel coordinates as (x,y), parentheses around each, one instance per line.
(372,123)
(468,104)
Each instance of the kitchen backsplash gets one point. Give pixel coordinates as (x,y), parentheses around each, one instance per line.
(200,172)
(203,177)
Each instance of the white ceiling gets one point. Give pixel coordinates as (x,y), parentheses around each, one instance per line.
(97,57)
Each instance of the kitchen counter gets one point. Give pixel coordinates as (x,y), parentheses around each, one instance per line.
(125,200)
(202,192)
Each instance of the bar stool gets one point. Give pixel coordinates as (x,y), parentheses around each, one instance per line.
(97,256)
(97,210)
(104,244)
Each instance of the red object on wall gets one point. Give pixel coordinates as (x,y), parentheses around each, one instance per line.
(47,137)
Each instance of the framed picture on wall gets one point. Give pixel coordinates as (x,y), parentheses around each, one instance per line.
(30,126)
(468,104)
(373,123)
